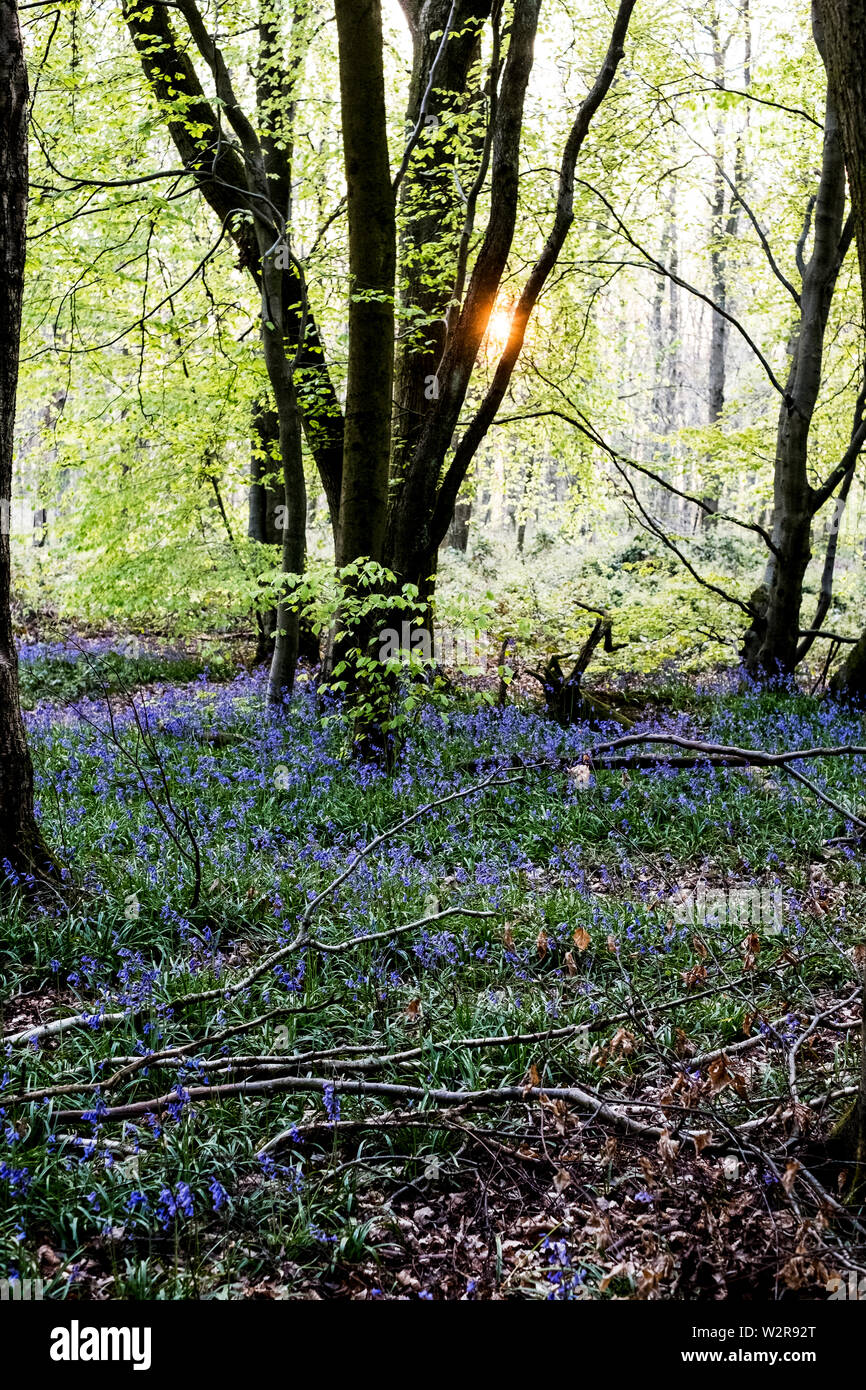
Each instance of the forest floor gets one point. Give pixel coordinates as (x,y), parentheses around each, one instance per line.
(500,1023)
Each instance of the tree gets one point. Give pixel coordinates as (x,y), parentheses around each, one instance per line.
(263,515)
(21,844)
(775,642)
(247,182)
(429,472)
(725,216)
(372,271)
(844,25)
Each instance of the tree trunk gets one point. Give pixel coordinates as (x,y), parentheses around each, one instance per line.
(266,496)
(431,205)
(770,647)
(21,844)
(416,531)
(372,232)
(281,679)
(457,536)
(424,501)
(244,178)
(372,271)
(661,342)
(844,24)
(849,682)
(723,232)
(294,487)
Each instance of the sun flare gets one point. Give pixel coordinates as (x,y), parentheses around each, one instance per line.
(498,329)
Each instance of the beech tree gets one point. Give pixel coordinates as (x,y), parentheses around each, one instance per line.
(247,183)
(434,383)
(776,641)
(844,25)
(21,844)
(372,272)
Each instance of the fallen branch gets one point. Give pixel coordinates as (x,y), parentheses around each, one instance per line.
(364,1052)
(62,1025)
(497,1095)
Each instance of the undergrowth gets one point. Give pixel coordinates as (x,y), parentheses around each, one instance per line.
(198,833)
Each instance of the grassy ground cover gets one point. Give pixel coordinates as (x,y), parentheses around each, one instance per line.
(571,1033)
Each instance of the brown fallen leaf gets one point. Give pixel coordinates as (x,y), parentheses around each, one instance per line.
(624,1270)
(533,1079)
(668,1149)
(49,1260)
(560,1112)
(581,939)
(720,1075)
(804,1118)
(649,1280)
(694,977)
(751,947)
(623,1042)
